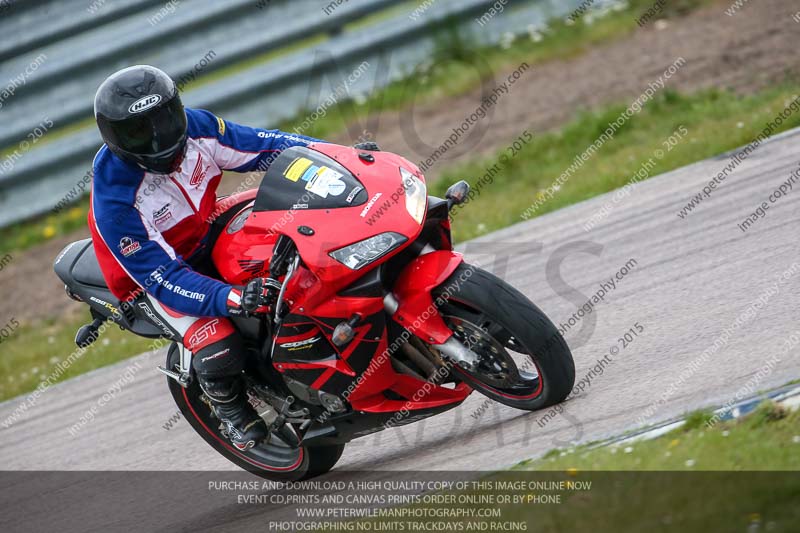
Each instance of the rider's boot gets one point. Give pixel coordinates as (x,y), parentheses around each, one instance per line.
(244,426)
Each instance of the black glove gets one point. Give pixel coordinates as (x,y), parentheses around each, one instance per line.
(253,298)
(368,146)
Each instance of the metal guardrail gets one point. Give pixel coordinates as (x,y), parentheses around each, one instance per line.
(145,30)
(54,91)
(73,66)
(278,89)
(64,100)
(50,22)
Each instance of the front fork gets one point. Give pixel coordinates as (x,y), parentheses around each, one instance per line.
(411,303)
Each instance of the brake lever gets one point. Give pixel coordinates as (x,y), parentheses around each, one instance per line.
(281,253)
(289,275)
(280,256)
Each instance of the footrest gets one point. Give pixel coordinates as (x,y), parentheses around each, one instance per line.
(89,333)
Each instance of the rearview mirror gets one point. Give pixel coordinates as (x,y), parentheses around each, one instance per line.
(457,193)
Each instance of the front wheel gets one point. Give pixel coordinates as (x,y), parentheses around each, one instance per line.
(524,361)
(273,460)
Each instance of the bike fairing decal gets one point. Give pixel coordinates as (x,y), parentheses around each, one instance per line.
(350,197)
(358,354)
(252,266)
(370,204)
(296,168)
(309,173)
(334,182)
(300,344)
(301,336)
(103,303)
(308,353)
(325,181)
(328,365)
(320,180)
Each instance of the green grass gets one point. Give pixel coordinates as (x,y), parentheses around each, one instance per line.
(314,40)
(453,70)
(732,477)
(32,353)
(19,237)
(224,72)
(697,420)
(737,476)
(767,439)
(712,118)
(717,121)
(452,73)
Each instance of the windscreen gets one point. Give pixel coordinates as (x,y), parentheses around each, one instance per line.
(301,178)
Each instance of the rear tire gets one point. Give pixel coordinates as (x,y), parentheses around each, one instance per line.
(477,297)
(274,460)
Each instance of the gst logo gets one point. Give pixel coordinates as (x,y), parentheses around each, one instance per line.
(206,331)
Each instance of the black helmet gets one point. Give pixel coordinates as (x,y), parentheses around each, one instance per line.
(141,118)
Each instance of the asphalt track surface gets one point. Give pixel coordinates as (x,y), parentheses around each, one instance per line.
(693,277)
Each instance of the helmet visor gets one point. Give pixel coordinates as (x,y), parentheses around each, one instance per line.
(153,132)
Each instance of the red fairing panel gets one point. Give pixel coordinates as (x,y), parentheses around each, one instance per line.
(223,204)
(428,396)
(362,367)
(333,228)
(417,313)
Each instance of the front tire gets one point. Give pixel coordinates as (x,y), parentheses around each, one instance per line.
(504,327)
(274,460)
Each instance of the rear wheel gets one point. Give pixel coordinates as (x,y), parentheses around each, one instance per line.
(274,460)
(524,361)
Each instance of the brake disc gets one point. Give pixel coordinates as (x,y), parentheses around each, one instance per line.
(496,367)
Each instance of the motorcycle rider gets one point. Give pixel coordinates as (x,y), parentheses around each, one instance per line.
(152,205)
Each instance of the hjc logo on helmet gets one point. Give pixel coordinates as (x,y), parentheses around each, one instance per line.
(145,103)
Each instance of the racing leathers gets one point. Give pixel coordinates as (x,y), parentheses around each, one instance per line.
(149,230)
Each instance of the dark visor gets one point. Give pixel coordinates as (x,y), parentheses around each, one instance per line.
(151,132)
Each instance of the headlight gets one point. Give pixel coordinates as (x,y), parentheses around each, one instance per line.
(364,252)
(416,195)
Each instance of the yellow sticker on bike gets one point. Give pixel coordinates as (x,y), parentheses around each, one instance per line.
(297,168)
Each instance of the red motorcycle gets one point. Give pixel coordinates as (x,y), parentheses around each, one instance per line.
(377,322)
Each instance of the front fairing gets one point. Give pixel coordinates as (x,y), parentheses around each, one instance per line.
(359,197)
